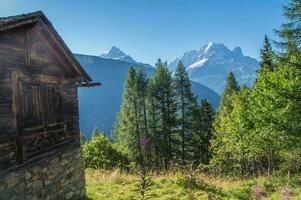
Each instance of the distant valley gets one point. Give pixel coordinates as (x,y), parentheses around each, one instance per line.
(207,68)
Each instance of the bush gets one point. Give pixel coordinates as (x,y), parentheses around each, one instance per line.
(243,192)
(100,154)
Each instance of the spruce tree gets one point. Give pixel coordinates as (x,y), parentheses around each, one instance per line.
(223,115)
(207,118)
(230,88)
(128,124)
(142,84)
(153,118)
(266,54)
(167,110)
(290,35)
(202,127)
(185,106)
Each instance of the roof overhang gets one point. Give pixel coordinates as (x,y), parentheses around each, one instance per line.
(8,23)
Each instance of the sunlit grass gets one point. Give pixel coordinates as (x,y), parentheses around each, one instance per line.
(114,185)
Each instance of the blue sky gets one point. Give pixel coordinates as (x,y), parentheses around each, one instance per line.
(148,29)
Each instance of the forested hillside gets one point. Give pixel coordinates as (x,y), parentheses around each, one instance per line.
(105,101)
(256,132)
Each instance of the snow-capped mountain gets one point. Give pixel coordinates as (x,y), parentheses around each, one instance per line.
(116,54)
(105,101)
(211,64)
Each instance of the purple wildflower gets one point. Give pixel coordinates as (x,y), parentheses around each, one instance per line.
(258,192)
(144,141)
(286,193)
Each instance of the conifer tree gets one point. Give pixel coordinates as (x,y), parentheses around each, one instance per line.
(142,84)
(223,115)
(266,54)
(207,118)
(185,105)
(167,110)
(202,129)
(128,124)
(153,118)
(230,88)
(290,35)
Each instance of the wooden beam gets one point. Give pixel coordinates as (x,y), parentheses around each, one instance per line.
(17,116)
(27,49)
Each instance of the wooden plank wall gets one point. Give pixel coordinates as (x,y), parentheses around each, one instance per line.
(30,54)
(11,58)
(7,127)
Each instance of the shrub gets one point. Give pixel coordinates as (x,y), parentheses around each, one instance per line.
(100,154)
(243,192)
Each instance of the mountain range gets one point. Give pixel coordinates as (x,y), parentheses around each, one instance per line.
(207,68)
(98,107)
(211,64)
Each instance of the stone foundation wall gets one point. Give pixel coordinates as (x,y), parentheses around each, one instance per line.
(57,177)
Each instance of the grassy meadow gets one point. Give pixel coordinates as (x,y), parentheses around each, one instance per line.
(105,185)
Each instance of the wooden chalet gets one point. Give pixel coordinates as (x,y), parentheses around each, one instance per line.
(39,77)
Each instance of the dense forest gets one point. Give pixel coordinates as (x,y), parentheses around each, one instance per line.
(255,131)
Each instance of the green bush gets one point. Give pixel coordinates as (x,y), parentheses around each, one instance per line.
(243,192)
(100,154)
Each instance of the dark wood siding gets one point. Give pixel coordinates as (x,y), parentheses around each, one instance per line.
(7,128)
(38,96)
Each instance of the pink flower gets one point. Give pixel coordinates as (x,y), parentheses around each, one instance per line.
(286,193)
(144,141)
(258,192)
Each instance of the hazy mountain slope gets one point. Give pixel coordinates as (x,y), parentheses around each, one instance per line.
(211,64)
(116,54)
(99,106)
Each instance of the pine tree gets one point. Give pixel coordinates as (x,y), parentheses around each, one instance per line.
(129,133)
(142,84)
(207,116)
(290,35)
(223,116)
(230,88)
(267,62)
(185,105)
(167,111)
(153,119)
(202,127)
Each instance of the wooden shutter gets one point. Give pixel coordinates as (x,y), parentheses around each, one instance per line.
(43,124)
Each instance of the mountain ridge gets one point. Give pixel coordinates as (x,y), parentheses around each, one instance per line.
(211,64)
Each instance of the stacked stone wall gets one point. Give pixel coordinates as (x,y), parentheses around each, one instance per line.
(59,176)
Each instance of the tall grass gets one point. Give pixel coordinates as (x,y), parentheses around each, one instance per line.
(115,185)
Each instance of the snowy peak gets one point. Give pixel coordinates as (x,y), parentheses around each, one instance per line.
(213,47)
(116,54)
(211,64)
